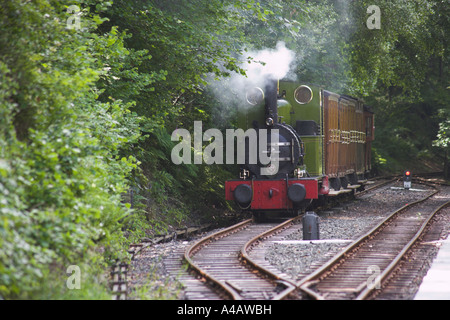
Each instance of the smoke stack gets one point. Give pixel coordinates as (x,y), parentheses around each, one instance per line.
(271,97)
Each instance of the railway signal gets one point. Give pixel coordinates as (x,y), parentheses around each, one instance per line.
(407,179)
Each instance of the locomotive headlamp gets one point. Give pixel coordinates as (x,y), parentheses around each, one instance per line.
(269,122)
(255,96)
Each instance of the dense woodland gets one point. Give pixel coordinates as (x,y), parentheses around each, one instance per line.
(91,90)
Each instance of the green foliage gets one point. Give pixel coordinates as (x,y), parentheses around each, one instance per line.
(396,56)
(443,135)
(443,139)
(401,70)
(61,172)
(178,46)
(183,42)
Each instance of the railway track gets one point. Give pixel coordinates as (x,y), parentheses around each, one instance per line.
(223,260)
(365,265)
(230,264)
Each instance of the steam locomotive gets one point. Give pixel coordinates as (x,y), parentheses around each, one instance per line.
(321,140)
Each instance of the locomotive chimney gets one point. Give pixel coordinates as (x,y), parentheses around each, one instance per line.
(271,97)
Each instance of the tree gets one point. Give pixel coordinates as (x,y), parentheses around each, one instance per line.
(61,169)
(443,139)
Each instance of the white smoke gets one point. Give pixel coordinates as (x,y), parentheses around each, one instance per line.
(275,63)
(260,66)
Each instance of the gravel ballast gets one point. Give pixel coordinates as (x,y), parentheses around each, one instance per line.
(346,222)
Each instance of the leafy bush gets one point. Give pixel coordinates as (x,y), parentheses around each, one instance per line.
(61,168)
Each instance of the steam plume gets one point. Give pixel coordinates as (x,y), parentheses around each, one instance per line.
(264,64)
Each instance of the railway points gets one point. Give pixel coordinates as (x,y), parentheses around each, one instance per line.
(383,247)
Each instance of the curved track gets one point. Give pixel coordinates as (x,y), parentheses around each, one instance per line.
(222,259)
(362,267)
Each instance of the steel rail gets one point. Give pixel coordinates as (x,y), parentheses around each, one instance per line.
(245,258)
(290,285)
(305,283)
(231,292)
(358,193)
(387,271)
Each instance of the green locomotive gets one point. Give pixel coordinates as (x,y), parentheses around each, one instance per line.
(324,142)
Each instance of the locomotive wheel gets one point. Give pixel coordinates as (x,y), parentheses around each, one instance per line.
(353,178)
(344,182)
(335,183)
